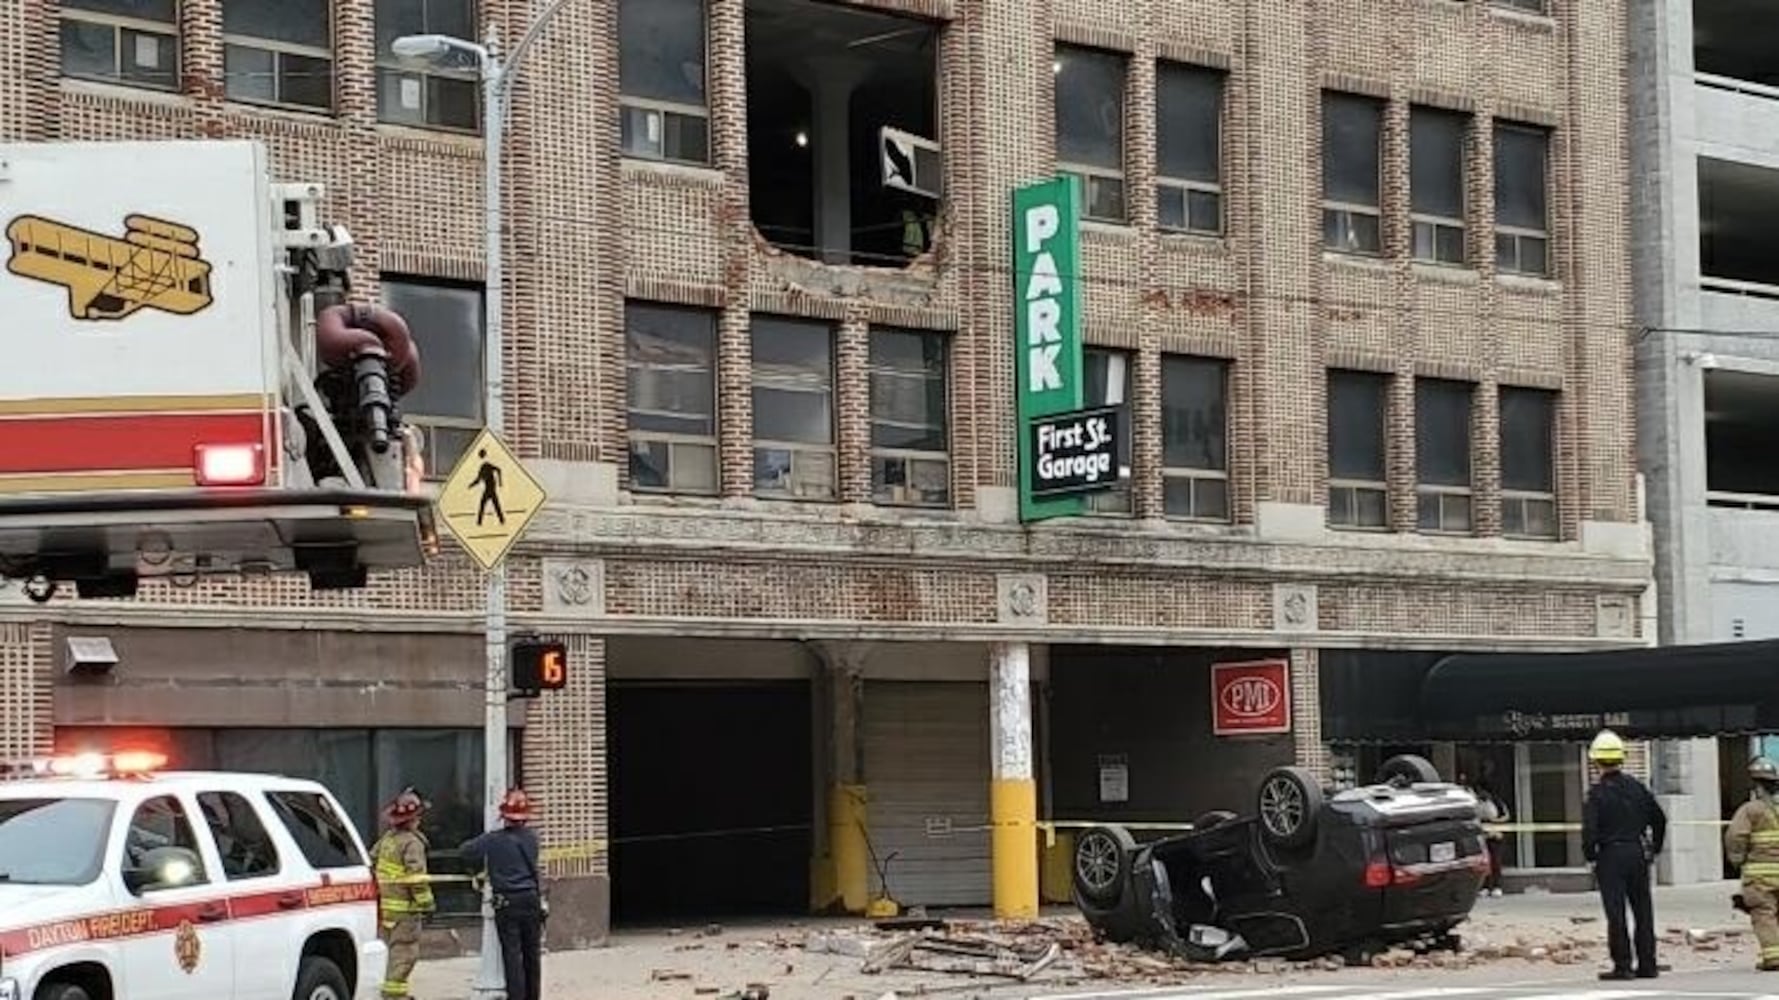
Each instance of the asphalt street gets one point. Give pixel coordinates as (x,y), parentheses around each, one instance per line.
(1711,985)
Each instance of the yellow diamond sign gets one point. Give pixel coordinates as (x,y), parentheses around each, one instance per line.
(489,500)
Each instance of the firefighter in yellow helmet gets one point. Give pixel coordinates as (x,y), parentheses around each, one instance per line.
(399,858)
(1752,844)
(1622,830)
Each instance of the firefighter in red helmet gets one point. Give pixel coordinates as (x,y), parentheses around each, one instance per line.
(404,887)
(509,858)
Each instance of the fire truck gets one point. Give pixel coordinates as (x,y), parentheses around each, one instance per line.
(192,387)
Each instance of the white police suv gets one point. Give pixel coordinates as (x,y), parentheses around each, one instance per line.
(119,881)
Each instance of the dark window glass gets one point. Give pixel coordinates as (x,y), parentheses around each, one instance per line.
(909,435)
(1442,432)
(442,92)
(1357,403)
(1436,155)
(1352,130)
(141,10)
(1188,116)
(295,22)
(670,365)
(1194,432)
(447,322)
(162,822)
(319,832)
(1528,428)
(661,50)
(1521,171)
(1090,107)
(241,839)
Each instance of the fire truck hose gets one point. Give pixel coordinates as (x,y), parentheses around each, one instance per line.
(344,333)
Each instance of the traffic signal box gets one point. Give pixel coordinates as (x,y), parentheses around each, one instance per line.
(538,666)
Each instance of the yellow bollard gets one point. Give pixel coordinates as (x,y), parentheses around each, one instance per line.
(1013,809)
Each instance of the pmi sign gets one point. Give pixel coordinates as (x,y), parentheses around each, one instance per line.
(1251,698)
(1064,451)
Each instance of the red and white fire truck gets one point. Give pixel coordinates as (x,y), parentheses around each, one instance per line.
(191,387)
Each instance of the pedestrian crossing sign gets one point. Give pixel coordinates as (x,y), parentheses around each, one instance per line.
(488,500)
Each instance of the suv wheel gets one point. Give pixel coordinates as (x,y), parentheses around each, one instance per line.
(63,991)
(1289,803)
(1407,769)
(320,979)
(1102,864)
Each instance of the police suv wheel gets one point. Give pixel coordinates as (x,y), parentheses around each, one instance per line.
(1102,864)
(320,979)
(1289,803)
(63,991)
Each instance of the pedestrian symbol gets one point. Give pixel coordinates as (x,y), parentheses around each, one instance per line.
(488,500)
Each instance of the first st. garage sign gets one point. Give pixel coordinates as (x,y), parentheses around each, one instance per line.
(1251,698)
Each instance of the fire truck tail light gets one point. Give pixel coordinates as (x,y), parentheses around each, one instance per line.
(230,464)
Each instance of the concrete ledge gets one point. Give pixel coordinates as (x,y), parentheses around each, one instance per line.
(1617,539)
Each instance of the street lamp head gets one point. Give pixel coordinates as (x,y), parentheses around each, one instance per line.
(423,46)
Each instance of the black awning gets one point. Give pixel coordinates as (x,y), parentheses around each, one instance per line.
(1661,691)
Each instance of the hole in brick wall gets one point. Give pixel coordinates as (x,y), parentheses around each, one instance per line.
(844,166)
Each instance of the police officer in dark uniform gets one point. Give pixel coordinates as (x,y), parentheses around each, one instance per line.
(509,857)
(1622,830)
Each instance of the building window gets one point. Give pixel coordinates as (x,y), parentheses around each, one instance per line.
(278,52)
(1352,137)
(1195,438)
(793,408)
(1108,383)
(661,60)
(444,94)
(1524,6)
(1528,468)
(670,365)
(910,442)
(1358,490)
(1442,455)
(1090,127)
(447,320)
(1436,185)
(1188,148)
(1522,227)
(134,42)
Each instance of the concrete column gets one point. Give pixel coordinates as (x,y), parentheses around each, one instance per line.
(842,872)
(831,82)
(1013,797)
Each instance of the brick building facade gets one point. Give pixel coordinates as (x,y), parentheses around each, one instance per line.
(594,233)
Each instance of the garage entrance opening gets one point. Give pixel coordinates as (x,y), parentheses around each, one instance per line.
(712,812)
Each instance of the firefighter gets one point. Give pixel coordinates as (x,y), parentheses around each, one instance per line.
(1623,828)
(1752,843)
(404,888)
(509,856)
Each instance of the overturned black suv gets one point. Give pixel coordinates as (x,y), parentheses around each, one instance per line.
(1314,873)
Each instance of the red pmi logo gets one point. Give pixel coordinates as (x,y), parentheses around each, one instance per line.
(1251,698)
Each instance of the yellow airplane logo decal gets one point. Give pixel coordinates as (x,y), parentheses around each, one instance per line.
(155,265)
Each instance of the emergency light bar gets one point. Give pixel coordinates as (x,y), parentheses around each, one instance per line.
(123,764)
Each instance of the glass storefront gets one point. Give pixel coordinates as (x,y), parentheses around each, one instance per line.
(364,768)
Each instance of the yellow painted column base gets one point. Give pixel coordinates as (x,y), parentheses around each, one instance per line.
(1058,867)
(846,845)
(1013,810)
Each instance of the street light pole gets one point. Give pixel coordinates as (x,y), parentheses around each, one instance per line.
(496,73)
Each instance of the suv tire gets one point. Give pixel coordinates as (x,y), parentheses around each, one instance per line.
(1101,866)
(1289,804)
(63,991)
(320,979)
(1407,769)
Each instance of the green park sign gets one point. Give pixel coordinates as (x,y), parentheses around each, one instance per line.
(1047,334)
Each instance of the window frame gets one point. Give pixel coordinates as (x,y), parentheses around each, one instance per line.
(278,50)
(1530,8)
(166,31)
(202,876)
(1338,213)
(672,441)
(1453,506)
(277,858)
(1120,500)
(799,451)
(882,494)
(1510,240)
(1193,475)
(1096,180)
(433,427)
(1167,184)
(1355,488)
(387,65)
(1524,501)
(1433,223)
(629,105)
